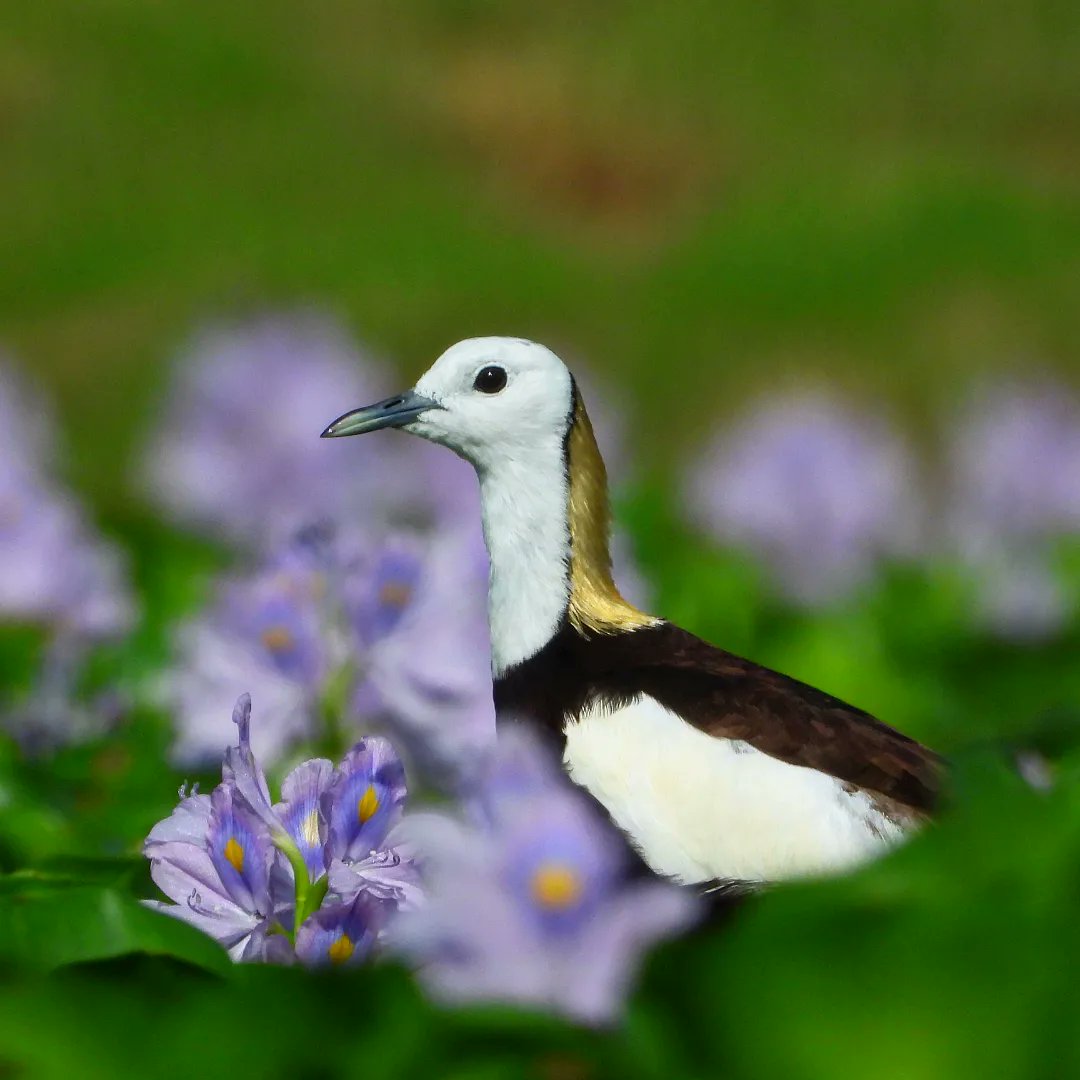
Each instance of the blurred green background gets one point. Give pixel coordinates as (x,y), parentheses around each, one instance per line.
(700,198)
(703,201)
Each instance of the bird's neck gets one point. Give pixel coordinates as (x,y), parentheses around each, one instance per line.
(547,527)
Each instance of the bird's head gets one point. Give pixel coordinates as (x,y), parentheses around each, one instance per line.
(485,398)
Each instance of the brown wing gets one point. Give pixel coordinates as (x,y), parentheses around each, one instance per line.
(729,697)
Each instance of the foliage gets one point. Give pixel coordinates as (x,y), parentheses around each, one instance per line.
(954,955)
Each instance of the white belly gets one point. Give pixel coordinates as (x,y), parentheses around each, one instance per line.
(699,808)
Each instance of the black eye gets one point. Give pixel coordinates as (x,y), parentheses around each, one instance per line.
(490,380)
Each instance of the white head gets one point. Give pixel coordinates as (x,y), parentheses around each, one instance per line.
(489,399)
(510,408)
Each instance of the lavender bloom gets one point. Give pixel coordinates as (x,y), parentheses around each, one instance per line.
(342,822)
(531,909)
(428,669)
(1014,489)
(238,452)
(396,624)
(364,800)
(268,629)
(821,494)
(247,873)
(212,859)
(1015,468)
(345,933)
(53,570)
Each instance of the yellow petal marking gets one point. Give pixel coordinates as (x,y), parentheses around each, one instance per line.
(341,950)
(556,885)
(368,805)
(309,829)
(395,594)
(234,852)
(278,639)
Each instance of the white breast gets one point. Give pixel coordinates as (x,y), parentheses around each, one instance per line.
(699,808)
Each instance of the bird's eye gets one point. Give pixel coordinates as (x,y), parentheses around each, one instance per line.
(490,380)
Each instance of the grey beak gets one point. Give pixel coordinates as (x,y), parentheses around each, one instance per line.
(389,413)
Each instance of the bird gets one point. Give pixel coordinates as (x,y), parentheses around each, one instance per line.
(719,771)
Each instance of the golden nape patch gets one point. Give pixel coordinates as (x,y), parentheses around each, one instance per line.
(595,603)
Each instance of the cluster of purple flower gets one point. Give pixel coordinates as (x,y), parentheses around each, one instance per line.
(315,877)
(368,588)
(338,625)
(823,495)
(56,574)
(54,571)
(522,900)
(362,605)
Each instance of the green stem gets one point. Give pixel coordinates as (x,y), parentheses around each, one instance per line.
(309,895)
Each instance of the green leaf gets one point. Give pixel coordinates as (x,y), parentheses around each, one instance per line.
(46,921)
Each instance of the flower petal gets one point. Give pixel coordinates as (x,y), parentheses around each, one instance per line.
(342,933)
(385,874)
(596,975)
(365,799)
(240,850)
(243,772)
(300,811)
(188,823)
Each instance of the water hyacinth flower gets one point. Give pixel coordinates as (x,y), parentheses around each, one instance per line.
(427,673)
(212,858)
(342,624)
(255,876)
(1013,490)
(528,904)
(54,570)
(237,451)
(819,493)
(1015,467)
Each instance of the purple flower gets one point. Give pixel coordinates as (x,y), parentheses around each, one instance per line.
(1015,468)
(532,909)
(427,673)
(819,493)
(212,859)
(268,629)
(53,569)
(1013,491)
(343,933)
(300,812)
(318,870)
(392,629)
(238,451)
(365,799)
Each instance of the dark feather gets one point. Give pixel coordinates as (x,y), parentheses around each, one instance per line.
(726,697)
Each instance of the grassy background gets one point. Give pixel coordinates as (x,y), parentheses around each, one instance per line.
(702,199)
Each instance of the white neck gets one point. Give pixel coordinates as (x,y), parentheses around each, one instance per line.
(524,507)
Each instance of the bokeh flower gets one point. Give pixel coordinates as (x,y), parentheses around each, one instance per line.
(1013,491)
(527,904)
(819,493)
(341,624)
(237,451)
(54,571)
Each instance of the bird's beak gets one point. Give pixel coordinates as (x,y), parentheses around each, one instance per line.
(389,413)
